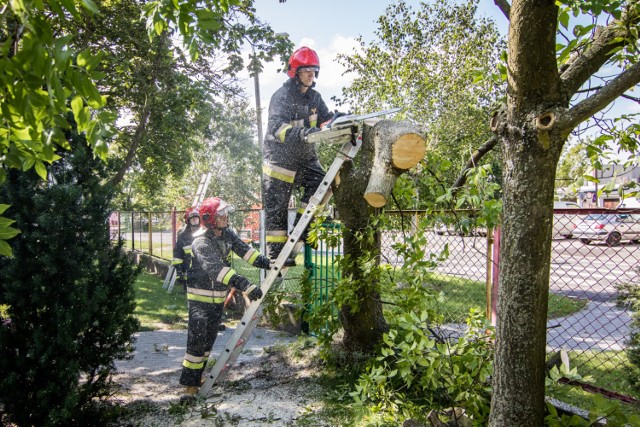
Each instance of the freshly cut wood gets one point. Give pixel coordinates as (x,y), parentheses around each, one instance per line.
(398,146)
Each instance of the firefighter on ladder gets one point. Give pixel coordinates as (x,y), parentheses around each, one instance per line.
(295,111)
(182,250)
(209,282)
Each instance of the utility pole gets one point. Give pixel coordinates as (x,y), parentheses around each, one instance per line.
(256,85)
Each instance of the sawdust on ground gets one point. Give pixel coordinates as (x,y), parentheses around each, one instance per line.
(274,389)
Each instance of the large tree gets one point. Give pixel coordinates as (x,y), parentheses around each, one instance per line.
(549,94)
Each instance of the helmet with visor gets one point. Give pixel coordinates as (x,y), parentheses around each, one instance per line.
(214,212)
(303,59)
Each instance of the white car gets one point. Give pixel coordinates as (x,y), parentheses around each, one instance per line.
(563,223)
(610,228)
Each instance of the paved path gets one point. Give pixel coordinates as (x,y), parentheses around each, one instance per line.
(600,326)
(160,352)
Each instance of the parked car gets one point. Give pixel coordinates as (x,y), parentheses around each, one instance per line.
(462,228)
(611,228)
(563,223)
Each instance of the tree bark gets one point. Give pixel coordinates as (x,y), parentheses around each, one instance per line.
(378,160)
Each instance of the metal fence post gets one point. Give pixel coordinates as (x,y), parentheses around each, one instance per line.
(150,233)
(495,275)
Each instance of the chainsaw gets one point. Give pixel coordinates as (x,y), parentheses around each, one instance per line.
(344,127)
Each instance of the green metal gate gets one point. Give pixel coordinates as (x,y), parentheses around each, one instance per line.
(323,271)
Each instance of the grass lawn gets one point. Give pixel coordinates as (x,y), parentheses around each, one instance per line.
(156,308)
(608,370)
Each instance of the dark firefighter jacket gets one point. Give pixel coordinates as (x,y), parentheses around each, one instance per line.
(290,112)
(182,250)
(211,273)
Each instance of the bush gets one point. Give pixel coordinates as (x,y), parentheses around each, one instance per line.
(67,295)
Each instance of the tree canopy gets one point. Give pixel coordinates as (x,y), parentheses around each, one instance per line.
(133,92)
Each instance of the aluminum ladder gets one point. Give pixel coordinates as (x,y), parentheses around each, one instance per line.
(249,321)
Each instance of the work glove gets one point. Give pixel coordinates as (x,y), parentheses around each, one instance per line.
(304,133)
(254,293)
(263,262)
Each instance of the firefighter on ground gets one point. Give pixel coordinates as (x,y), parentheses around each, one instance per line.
(210,280)
(182,250)
(295,111)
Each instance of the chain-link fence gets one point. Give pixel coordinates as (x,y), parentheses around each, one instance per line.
(593,252)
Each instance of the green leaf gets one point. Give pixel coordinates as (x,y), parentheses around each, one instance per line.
(76,107)
(90,6)
(6,222)
(563,18)
(208,20)
(8,233)
(5,249)
(3,208)
(41,170)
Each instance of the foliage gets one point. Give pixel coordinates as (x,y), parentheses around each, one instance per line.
(572,167)
(482,195)
(426,61)
(68,294)
(97,61)
(416,366)
(416,369)
(35,98)
(602,409)
(629,299)
(578,23)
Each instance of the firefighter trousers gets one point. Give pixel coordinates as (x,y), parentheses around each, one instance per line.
(278,181)
(204,319)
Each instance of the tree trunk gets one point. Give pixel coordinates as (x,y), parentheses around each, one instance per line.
(373,171)
(531,150)
(518,381)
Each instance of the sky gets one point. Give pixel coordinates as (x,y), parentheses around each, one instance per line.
(331,27)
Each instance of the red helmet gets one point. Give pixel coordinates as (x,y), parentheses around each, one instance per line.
(303,57)
(211,208)
(190,213)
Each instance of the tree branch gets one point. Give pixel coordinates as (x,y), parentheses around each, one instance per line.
(504,6)
(138,135)
(631,98)
(591,60)
(475,158)
(612,90)
(584,65)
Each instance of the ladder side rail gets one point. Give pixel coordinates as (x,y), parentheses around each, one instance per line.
(233,348)
(172,281)
(167,278)
(203,193)
(199,190)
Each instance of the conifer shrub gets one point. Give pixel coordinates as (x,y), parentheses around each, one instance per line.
(66,296)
